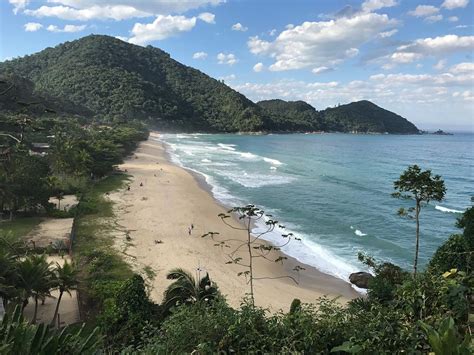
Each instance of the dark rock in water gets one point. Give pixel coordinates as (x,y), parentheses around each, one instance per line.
(360,279)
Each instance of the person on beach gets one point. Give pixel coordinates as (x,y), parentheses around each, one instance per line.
(189,230)
(192,226)
(141,184)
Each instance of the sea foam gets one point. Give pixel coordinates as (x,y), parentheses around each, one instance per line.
(447,210)
(227,146)
(272,161)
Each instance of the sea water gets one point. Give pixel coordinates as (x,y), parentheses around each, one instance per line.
(334,190)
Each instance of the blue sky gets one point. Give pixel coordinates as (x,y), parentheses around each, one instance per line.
(412,57)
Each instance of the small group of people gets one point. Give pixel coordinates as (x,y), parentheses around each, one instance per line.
(190,229)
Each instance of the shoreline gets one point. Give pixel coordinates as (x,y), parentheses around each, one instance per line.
(310,274)
(186,196)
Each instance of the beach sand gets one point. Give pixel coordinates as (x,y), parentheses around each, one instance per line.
(170,200)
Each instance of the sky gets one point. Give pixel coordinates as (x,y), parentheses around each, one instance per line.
(415,58)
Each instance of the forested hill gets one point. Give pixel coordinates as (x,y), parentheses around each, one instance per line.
(365,116)
(361,116)
(118,80)
(115,79)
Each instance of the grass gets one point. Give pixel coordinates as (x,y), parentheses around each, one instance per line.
(19,227)
(102,266)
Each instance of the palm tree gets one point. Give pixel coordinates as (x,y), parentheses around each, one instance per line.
(187,289)
(34,280)
(65,280)
(8,277)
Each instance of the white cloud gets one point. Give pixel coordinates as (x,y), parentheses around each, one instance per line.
(424,10)
(428,47)
(200,55)
(466,95)
(453,19)
(440,65)
(461,68)
(388,33)
(32,26)
(439,45)
(112,9)
(227,78)
(393,90)
(454,4)
(18,5)
(207,17)
(229,59)
(401,57)
(163,27)
(118,12)
(272,32)
(320,70)
(372,5)
(434,18)
(239,27)
(316,44)
(66,28)
(258,67)
(122,38)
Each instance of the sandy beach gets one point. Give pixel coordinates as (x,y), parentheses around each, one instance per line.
(163,208)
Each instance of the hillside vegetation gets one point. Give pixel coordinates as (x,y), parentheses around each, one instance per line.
(115,80)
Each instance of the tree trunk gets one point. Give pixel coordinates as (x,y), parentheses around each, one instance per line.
(33,321)
(417,247)
(57,308)
(25,303)
(250,262)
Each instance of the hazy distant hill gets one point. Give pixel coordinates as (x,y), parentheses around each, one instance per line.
(117,80)
(361,116)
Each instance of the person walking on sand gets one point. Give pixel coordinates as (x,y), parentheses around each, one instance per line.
(189,230)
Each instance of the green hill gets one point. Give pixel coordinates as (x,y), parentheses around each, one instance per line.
(365,116)
(115,80)
(291,115)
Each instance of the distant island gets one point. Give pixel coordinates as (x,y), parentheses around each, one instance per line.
(107,79)
(439,132)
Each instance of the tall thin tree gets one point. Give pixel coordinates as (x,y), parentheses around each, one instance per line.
(420,187)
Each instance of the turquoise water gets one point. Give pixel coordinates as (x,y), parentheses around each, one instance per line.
(334,190)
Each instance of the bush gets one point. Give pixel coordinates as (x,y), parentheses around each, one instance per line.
(453,253)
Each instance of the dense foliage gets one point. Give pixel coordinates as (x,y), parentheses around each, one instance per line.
(75,153)
(116,80)
(18,95)
(17,336)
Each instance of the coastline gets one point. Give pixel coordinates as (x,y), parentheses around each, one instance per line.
(170,200)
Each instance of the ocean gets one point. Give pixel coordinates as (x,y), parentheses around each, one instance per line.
(334,190)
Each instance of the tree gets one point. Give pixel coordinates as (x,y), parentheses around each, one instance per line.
(255,247)
(34,280)
(188,289)
(421,187)
(66,280)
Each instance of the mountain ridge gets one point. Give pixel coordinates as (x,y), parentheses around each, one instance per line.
(116,80)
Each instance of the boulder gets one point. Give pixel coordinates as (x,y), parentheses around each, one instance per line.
(360,279)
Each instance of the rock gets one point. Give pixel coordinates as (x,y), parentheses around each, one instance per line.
(360,279)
